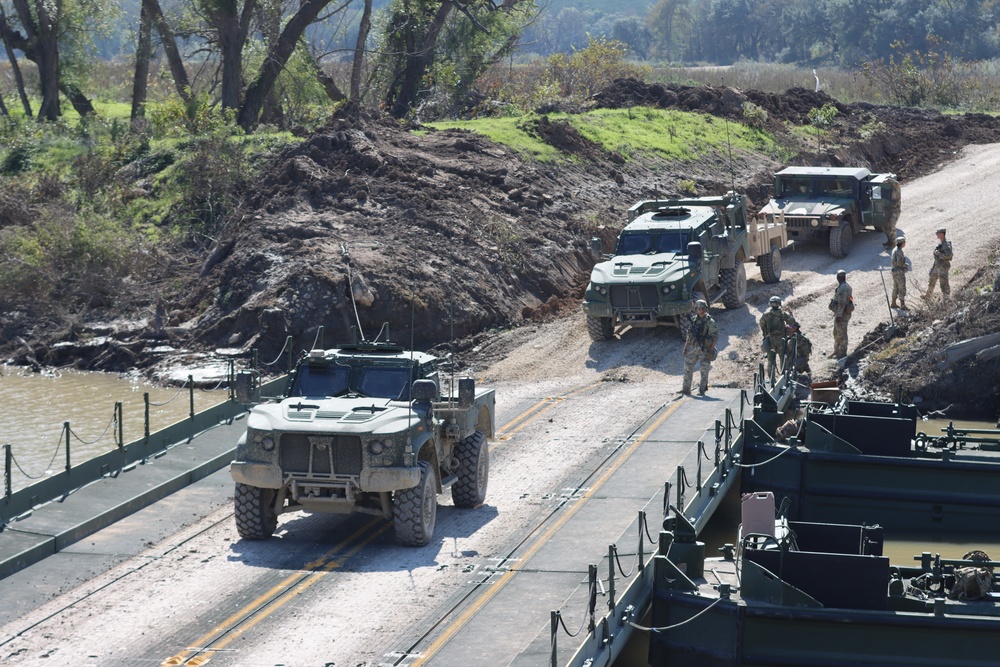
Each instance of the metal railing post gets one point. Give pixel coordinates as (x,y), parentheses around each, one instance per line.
(592,605)
(612,552)
(642,539)
(7,460)
(291,356)
(553,633)
(66,430)
(191,394)
(145,419)
(119,418)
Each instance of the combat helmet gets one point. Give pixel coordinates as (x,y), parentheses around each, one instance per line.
(775,301)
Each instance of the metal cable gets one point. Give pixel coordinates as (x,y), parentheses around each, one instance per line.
(278,358)
(763,463)
(114,418)
(169,400)
(676,625)
(618,564)
(645,528)
(591,593)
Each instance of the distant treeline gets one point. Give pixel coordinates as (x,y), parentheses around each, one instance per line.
(829,32)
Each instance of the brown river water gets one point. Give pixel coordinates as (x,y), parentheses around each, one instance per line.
(35,406)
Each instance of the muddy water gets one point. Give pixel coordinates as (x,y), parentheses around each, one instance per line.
(36,405)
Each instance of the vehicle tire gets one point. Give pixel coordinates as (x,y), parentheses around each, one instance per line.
(256,518)
(734,281)
(840,240)
(770,266)
(473,456)
(414,511)
(600,328)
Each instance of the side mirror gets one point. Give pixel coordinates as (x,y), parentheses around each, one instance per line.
(246,386)
(466,392)
(596,247)
(694,253)
(424,390)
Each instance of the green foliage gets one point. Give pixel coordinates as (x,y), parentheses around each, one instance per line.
(932,77)
(755,115)
(688,187)
(585,72)
(823,117)
(199,116)
(872,127)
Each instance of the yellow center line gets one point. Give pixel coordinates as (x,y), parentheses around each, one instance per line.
(542,539)
(288,582)
(538,409)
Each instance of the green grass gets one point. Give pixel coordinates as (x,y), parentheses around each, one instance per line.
(639,131)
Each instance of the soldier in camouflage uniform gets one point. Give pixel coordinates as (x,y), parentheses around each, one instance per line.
(699,348)
(842,305)
(803,348)
(892,214)
(773,326)
(900,265)
(942,265)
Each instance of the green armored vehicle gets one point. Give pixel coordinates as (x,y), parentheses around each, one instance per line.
(674,251)
(364,428)
(832,204)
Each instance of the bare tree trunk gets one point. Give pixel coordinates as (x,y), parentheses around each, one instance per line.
(276,60)
(41,41)
(12,59)
(169,42)
(359,51)
(140,81)
(417,61)
(80,102)
(231,27)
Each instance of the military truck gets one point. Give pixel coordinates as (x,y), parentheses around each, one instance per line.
(833,204)
(364,428)
(673,252)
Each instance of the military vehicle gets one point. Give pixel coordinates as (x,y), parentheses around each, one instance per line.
(673,252)
(364,428)
(833,204)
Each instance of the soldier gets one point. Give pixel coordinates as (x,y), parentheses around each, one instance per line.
(900,265)
(699,348)
(803,348)
(892,213)
(942,264)
(773,324)
(842,305)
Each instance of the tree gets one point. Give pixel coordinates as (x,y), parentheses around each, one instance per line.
(631,32)
(668,22)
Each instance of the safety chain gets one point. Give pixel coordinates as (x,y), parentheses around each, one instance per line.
(114,420)
(288,340)
(171,399)
(676,625)
(763,463)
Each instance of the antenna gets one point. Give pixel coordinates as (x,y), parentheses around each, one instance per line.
(350,286)
(451,323)
(732,170)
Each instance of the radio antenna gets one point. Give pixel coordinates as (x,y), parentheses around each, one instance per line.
(350,286)
(732,170)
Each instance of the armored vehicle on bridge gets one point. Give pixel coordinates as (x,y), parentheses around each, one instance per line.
(833,204)
(673,252)
(364,428)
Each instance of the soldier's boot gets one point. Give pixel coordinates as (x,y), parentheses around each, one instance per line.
(932,281)
(902,304)
(894,305)
(702,389)
(686,389)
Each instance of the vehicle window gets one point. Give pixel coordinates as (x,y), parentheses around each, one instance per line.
(321,381)
(634,244)
(385,382)
(674,241)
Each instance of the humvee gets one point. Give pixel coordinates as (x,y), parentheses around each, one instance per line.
(832,204)
(675,251)
(364,428)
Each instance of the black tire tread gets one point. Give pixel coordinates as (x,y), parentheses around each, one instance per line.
(734,281)
(838,248)
(254,512)
(407,510)
(770,266)
(470,490)
(600,328)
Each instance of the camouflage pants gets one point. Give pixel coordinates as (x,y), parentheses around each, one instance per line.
(898,285)
(939,272)
(890,227)
(694,356)
(776,352)
(840,336)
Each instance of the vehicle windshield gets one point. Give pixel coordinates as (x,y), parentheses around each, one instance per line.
(650,243)
(815,187)
(332,380)
(385,382)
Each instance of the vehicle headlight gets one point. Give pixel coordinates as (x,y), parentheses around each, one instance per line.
(601,289)
(667,289)
(376,447)
(815,222)
(267,443)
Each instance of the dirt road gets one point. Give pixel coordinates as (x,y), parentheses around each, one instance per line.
(954,198)
(353,591)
